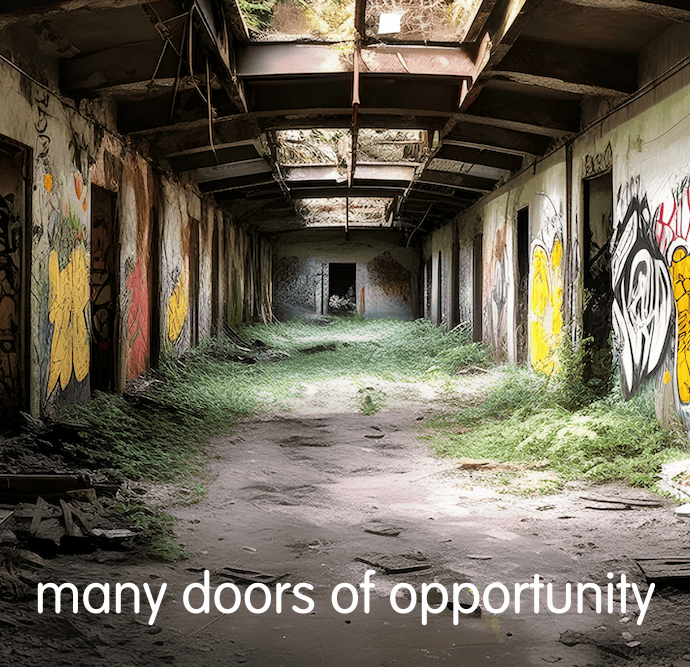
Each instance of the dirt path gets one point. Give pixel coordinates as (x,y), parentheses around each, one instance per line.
(296,493)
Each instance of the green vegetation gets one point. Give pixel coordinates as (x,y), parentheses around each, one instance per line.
(155,528)
(371,400)
(528,418)
(159,435)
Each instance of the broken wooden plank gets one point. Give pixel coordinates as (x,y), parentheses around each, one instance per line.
(5,516)
(38,516)
(632,502)
(383,531)
(70,527)
(250,576)
(665,569)
(25,487)
(609,507)
(396,564)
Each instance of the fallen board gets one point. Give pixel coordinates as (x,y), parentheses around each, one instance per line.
(397,564)
(250,576)
(665,569)
(30,487)
(5,516)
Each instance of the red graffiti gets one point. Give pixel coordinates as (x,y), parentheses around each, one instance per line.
(677,225)
(137,322)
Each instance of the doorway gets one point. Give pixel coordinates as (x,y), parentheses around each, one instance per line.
(13,279)
(596,315)
(341,288)
(477,289)
(104,282)
(523,283)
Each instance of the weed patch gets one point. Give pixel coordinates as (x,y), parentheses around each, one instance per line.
(528,417)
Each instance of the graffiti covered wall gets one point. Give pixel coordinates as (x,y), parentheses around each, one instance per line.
(12,222)
(386,274)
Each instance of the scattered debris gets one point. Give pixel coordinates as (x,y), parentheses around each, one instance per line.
(384,531)
(683,510)
(29,487)
(250,576)
(543,508)
(609,506)
(397,564)
(330,347)
(479,556)
(629,502)
(665,569)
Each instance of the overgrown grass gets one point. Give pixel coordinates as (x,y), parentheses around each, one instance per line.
(160,435)
(388,349)
(528,417)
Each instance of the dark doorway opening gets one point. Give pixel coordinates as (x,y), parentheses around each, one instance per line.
(341,288)
(596,315)
(439,290)
(428,268)
(154,286)
(523,283)
(14,249)
(193,282)
(104,282)
(477,289)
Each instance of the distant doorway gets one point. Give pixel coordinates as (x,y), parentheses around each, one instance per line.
(341,288)
(14,165)
(523,283)
(104,282)
(596,316)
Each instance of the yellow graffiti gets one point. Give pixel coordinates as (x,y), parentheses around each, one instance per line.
(48,182)
(69,300)
(545,305)
(178,305)
(680,275)
(667,377)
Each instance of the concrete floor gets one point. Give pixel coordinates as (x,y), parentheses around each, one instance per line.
(294,493)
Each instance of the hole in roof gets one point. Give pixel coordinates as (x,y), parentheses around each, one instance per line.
(330,212)
(420,20)
(292,20)
(312,146)
(408,146)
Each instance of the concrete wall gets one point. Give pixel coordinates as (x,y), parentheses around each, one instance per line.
(160,259)
(387,274)
(631,236)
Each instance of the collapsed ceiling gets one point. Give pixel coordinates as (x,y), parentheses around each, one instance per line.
(394,113)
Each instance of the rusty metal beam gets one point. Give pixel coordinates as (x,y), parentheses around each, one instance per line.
(360,16)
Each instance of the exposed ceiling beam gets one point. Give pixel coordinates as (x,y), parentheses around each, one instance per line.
(12,11)
(125,64)
(674,11)
(490,158)
(230,170)
(592,68)
(481,132)
(458,181)
(540,115)
(476,28)
(502,43)
(238,183)
(259,60)
(557,84)
(507,124)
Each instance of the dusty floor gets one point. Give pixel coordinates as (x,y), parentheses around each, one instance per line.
(295,493)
